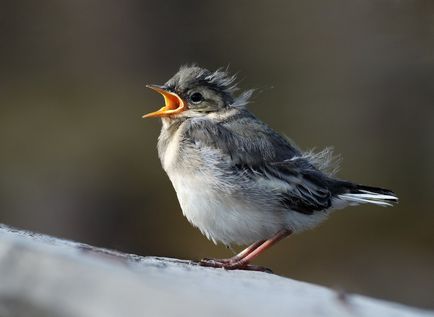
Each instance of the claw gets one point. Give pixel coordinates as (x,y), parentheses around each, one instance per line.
(211,263)
(258,268)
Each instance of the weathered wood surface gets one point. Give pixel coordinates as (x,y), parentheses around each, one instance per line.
(45,276)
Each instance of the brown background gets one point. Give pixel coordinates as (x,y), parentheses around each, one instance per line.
(77,161)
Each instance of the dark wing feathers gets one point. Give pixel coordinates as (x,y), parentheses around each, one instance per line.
(310,190)
(256,150)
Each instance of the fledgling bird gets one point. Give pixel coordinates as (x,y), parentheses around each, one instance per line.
(236,179)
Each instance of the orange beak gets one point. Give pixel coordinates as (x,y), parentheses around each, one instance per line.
(174,104)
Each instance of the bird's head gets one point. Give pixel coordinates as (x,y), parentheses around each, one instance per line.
(195,92)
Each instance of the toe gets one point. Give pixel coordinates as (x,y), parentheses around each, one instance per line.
(210,263)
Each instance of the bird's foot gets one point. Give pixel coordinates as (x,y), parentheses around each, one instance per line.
(244,265)
(233,264)
(212,262)
(217,263)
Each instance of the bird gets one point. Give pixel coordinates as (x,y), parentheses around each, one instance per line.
(236,179)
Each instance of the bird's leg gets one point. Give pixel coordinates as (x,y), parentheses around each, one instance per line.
(242,259)
(244,262)
(246,251)
(235,258)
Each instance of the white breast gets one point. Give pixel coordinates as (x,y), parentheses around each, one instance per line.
(220,217)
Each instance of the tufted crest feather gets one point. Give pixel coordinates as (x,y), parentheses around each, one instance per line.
(219,80)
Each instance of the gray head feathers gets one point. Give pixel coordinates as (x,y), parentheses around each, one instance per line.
(220,81)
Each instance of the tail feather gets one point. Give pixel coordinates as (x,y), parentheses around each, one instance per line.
(369,195)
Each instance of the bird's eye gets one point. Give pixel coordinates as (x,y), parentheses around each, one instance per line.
(196,97)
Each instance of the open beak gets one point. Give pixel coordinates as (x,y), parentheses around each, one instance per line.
(174,103)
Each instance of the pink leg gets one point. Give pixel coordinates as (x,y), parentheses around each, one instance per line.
(242,259)
(247,251)
(235,258)
(244,262)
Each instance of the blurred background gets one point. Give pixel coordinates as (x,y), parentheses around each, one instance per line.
(78,162)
